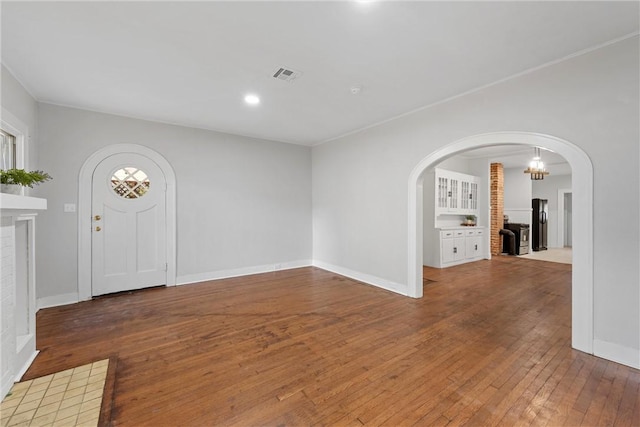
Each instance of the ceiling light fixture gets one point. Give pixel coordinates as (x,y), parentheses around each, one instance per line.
(355,90)
(252,99)
(536,166)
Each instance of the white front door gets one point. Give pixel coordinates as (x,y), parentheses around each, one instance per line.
(129,231)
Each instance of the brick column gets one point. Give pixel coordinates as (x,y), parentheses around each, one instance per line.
(497,207)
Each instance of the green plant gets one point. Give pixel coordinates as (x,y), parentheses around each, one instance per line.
(22,177)
(470,217)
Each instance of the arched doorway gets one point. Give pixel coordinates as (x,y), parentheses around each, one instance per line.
(582,172)
(85,208)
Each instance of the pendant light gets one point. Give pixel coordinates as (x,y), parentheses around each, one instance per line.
(536,166)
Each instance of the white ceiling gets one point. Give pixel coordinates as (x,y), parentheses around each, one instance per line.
(518,156)
(191,63)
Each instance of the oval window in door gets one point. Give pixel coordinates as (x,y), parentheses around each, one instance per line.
(130,182)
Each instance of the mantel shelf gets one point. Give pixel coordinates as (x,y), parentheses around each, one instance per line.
(12,202)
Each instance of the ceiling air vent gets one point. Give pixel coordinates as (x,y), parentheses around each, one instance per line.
(286,74)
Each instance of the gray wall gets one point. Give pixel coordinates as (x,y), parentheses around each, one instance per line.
(360,196)
(241,203)
(517,195)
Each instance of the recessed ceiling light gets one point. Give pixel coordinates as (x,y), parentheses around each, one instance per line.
(252,99)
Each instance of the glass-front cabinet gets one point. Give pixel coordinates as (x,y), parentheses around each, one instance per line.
(456,193)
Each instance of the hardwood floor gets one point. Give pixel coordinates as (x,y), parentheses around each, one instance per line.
(489,344)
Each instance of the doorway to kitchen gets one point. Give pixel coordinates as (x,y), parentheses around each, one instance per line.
(582,198)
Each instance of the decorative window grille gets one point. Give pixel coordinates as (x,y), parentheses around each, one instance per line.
(474,196)
(465,195)
(443,190)
(453,201)
(130,183)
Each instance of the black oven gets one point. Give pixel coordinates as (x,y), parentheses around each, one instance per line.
(521,232)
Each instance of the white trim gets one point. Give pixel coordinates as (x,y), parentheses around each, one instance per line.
(84,212)
(27,346)
(13,125)
(582,172)
(561,193)
(617,353)
(378,282)
(244,271)
(21,203)
(26,366)
(57,300)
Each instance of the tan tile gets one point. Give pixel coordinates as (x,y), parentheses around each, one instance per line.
(89,417)
(47,409)
(42,380)
(75,400)
(80,375)
(56,398)
(22,424)
(6,415)
(21,385)
(100,363)
(92,395)
(78,383)
(66,422)
(97,378)
(91,404)
(52,391)
(75,392)
(27,406)
(20,418)
(37,387)
(81,368)
(15,394)
(6,404)
(68,412)
(95,386)
(59,381)
(36,395)
(44,420)
(99,370)
(63,374)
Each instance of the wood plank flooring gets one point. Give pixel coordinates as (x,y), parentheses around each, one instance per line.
(489,344)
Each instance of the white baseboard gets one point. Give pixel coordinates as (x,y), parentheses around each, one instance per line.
(363,277)
(28,363)
(617,353)
(244,271)
(56,300)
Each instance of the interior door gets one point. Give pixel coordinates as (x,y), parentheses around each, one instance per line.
(128,240)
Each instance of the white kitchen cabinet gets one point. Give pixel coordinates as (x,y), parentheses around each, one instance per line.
(455,193)
(452,244)
(474,240)
(456,246)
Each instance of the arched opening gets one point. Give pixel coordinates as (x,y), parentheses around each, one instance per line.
(582,172)
(84,212)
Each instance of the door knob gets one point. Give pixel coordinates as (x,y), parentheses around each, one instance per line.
(98,228)
(98,217)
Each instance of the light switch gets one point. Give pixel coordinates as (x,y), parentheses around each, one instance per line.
(69,207)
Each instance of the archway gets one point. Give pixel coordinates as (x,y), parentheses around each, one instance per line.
(84,212)
(582,172)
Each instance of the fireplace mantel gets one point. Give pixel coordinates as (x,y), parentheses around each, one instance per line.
(12,203)
(17,285)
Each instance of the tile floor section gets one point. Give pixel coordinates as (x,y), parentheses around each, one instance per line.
(561,255)
(68,398)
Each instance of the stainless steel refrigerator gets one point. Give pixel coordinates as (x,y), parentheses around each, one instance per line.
(539,224)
